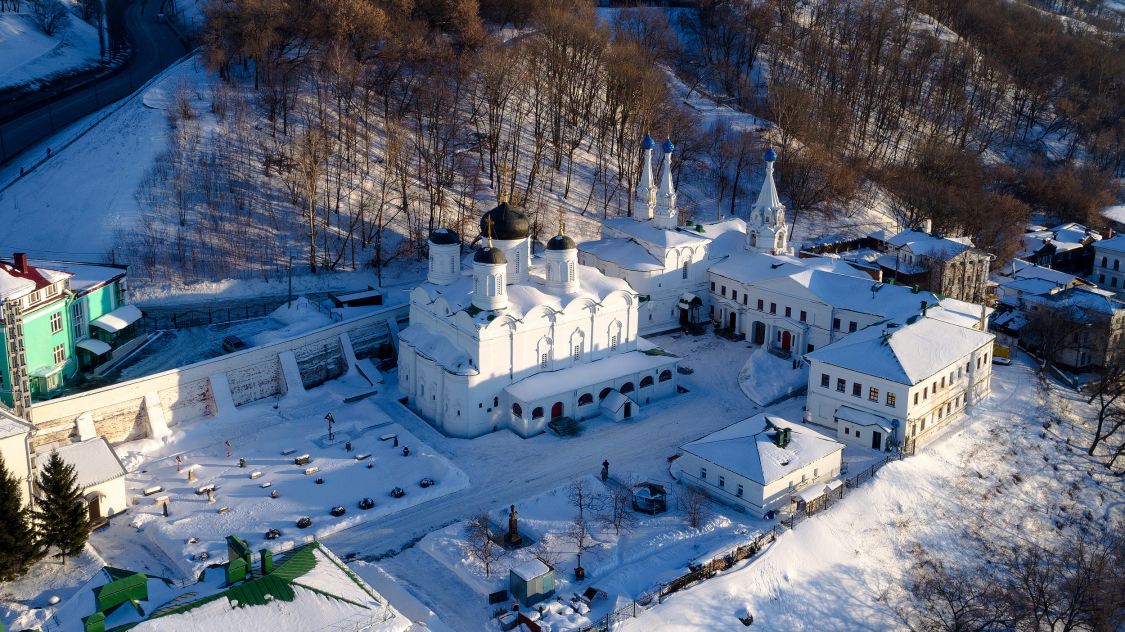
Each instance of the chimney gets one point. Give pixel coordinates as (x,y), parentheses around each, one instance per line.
(925,306)
(927,226)
(21,261)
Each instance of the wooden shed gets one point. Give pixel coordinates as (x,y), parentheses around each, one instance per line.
(531,582)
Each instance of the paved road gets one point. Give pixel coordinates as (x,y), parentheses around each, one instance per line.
(155,47)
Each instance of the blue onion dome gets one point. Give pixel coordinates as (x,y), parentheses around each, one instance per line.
(668,146)
(771,155)
(648,143)
(444,237)
(507,223)
(561,242)
(490,255)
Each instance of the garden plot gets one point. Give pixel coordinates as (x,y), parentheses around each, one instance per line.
(292,470)
(656,549)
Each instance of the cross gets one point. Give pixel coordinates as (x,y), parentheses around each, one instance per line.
(504,171)
(562,222)
(489,221)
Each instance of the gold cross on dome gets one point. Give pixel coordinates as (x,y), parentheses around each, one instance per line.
(562,222)
(488,220)
(504,172)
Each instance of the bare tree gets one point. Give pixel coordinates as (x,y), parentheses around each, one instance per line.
(544,553)
(49,15)
(953,600)
(618,513)
(696,505)
(480,543)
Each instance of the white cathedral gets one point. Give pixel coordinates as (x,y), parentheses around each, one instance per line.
(519,343)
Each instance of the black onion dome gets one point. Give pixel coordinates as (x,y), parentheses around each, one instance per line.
(561,242)
(444,237)
(507,223)
(490,255)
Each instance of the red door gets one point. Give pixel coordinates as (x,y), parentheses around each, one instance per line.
(557,410)
(786,341)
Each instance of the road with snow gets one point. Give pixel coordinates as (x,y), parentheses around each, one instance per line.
(155,47)
(504,468)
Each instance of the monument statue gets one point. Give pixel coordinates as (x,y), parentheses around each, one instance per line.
(513,538)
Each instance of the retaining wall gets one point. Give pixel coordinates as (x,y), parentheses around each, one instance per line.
(118,411)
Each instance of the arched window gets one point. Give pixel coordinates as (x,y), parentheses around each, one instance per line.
(517,410)
(1105,261)
(585,399)
(628,388)
(684,274)
(646,381)
(665,375)
(753,239)
(537,413)
(1116,264)
(605,393)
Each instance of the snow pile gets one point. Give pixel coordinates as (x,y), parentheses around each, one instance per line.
(297,317)
(765,377)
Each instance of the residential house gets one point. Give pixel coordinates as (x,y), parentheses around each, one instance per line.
(1067,247)
(898,382)
(1109,257)
(950,266)
(759,464)
(1082,327)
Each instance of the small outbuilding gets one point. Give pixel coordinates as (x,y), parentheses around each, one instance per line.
(650,498)
(531,582)
(618,407)
(100,474)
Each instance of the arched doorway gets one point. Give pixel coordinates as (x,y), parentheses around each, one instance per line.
(786,341)
(557,410)
(628,409)
(733,320)
(759,333)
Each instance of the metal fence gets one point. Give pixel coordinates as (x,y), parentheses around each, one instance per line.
(160,319)
(830,498)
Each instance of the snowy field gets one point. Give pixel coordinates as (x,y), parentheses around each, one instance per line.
(765,377)
(845,568)
(29,56)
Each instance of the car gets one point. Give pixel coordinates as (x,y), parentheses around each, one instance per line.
(232,344)
(1001,361)
(338,511)
(273,534)
(366,503)
(398,492)
(426,482)
(304,523)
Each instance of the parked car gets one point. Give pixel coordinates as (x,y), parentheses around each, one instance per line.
(426,482)
(1001,361)
(398,492)
(232,344)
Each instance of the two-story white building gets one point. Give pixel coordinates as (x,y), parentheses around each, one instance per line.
(897,383)
(1109,263)
(519,343)
(759,463)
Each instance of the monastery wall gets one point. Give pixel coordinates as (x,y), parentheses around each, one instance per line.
(119,414)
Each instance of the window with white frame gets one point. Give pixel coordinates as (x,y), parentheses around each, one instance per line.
(56,322)
(60,354)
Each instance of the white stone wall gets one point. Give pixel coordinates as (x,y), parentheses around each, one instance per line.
(14,451)
(1109,268)
(184,393)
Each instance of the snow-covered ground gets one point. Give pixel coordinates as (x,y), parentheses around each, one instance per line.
(844,568)
(260,435)
(29,56)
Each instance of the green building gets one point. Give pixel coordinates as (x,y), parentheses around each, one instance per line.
(59,319)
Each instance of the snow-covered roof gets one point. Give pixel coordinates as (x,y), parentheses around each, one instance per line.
(93,460)
(747,448)
(549,383)
(1030,286)
(11,426)
(624,251)
(530,569)
(1116,244)
(1115,213)
(438,348)
(892,262)
(1081,299)
(921,243)
(118,319)
(910,353)
(614,401)
(94,346)
(86,276)
(15,283)
(863,417)
(646,232)
(523,297)
(1021,269)
(749,268)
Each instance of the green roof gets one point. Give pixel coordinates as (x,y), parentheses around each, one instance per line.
(262,589)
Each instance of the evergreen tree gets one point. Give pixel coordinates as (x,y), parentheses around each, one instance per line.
(18,548)
(60,513)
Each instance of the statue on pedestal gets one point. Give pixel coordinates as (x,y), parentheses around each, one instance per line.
(513,538)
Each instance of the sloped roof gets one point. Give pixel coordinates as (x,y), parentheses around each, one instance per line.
(1116,244)
(647,232)
(11,426)
(747,449)
(624,251)
(93,460)
(921,243)
(15,284)
(909,355)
